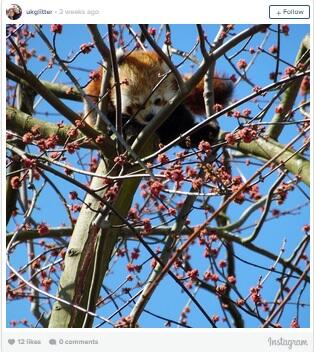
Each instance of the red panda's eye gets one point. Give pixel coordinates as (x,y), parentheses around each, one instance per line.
(129,110)
(157,101)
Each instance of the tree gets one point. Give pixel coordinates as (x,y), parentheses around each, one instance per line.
(159,231)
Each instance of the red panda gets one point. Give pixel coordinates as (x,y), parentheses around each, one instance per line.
(146,86)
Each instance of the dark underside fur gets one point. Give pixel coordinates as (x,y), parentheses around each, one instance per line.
(180,121)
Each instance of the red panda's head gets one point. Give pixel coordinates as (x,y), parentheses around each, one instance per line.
(146,87)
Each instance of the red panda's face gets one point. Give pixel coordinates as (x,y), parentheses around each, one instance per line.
(147,88)
(145,105)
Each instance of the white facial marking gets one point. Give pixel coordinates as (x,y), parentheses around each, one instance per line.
(169,94)
(125,102)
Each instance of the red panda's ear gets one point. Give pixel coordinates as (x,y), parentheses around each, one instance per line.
(120,55)
(167,49)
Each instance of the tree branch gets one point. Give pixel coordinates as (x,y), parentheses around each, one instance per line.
(52,99)
(291,93)
(62,91)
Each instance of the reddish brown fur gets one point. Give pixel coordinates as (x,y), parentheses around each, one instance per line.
(145,64)
(222,92)
(143,70)
(93,88)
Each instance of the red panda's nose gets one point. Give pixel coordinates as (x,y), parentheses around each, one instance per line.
(149,117)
